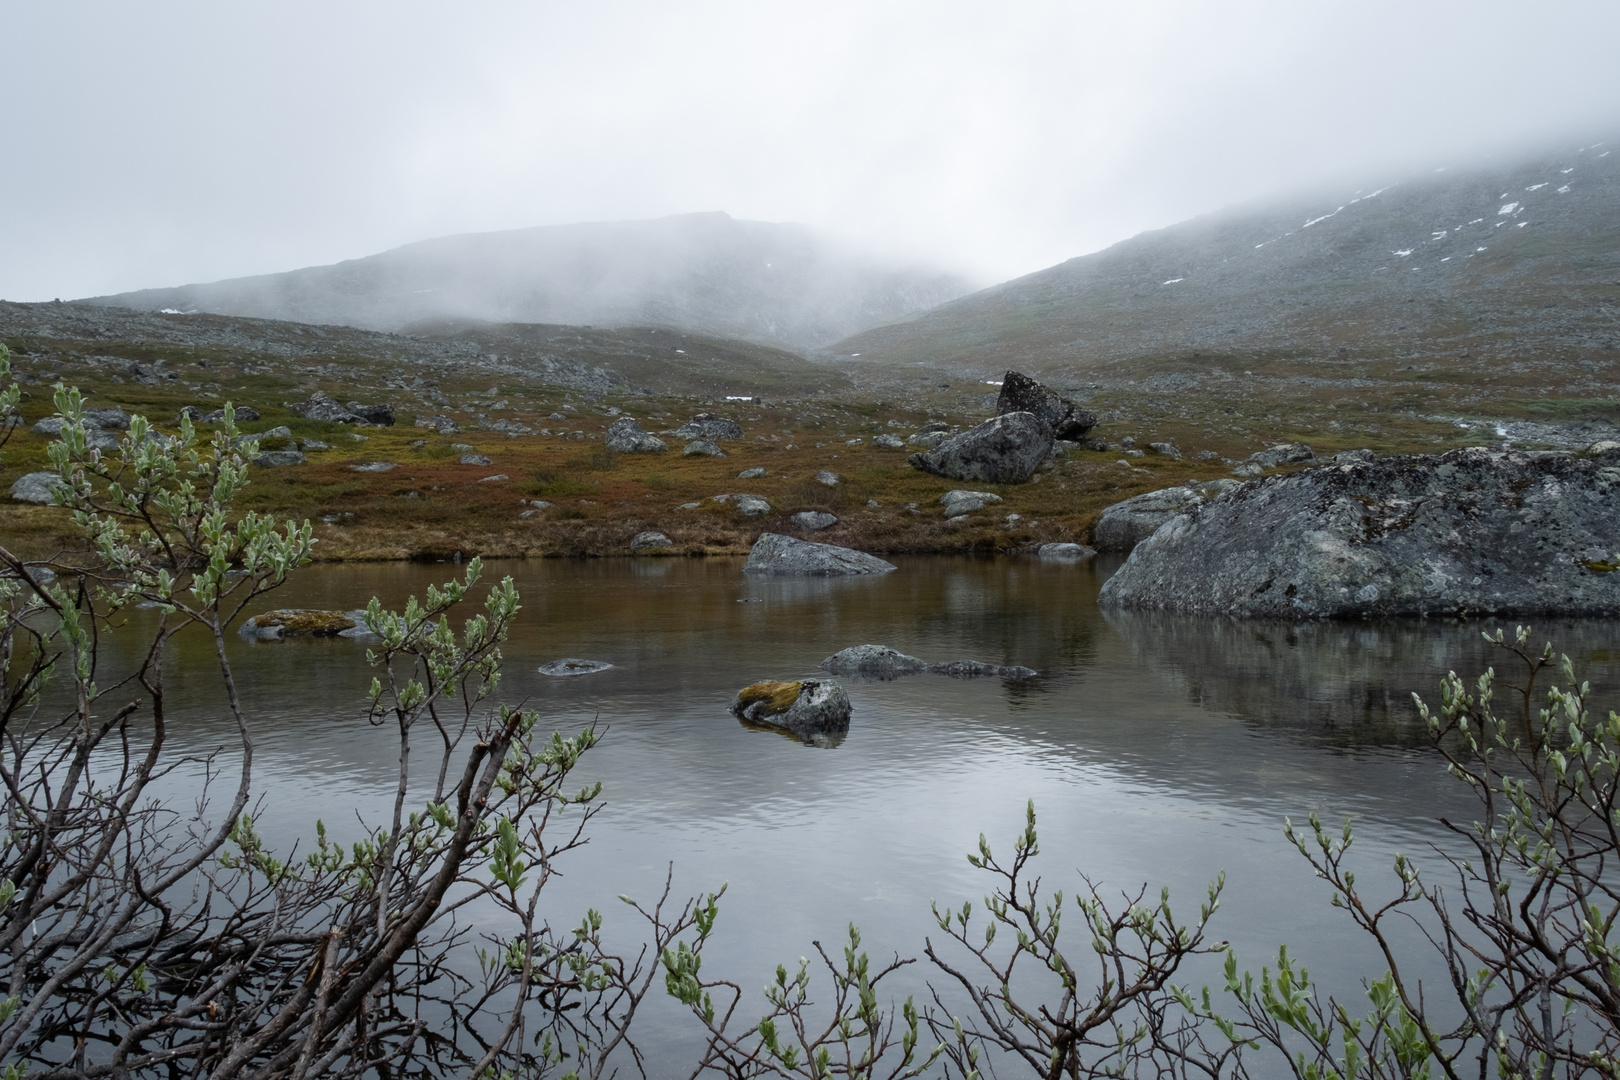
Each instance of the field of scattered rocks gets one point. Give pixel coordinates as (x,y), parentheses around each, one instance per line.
(508,453)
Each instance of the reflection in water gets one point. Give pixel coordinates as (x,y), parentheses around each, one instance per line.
(1346,683)
(1156,748)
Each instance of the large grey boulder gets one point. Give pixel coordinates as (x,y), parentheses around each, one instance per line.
(36,487)
(1126,524)
(625,436)
(709,426)
(1471,532)
(1002,450)
(789,556)
(814,710)
(1020,393)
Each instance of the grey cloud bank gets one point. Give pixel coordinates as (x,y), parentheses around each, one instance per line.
(175,143)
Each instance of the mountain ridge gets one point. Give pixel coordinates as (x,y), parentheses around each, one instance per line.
(706,273)
(1515,260)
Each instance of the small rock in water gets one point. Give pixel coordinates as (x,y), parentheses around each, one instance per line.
(789,556)
(882,662)
(814,710)
(573,666)
(1065,552)
(303,622)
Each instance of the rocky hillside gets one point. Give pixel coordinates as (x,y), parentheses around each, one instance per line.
(1481,269)
(591,361)
(702,273)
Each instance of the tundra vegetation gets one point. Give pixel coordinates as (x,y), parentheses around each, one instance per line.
(799,423)
(147,936)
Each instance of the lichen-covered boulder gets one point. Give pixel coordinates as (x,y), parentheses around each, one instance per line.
(814,710)
(36,487)
(1471,532)
(1125,524)
(709,426)
(625,436)
(1002,450)
(788,556)
(1294,453)
(1020,393)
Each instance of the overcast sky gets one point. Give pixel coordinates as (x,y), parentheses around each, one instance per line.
(154,143)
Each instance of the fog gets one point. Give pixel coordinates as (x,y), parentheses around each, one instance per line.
(164,143)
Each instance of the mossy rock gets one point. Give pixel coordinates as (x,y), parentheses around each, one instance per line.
(773,697)
(298,622)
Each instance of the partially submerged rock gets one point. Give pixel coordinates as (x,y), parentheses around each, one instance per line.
(1067,419)
(572,665)
(1063,552)
(625,436)
(1003,450)
(1125,524)
(789,556)
(1471,532)
(709,426)
(36,487)
(304,622)
(882,662)
(815,710)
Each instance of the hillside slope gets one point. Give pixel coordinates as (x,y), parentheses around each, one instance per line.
(1473,268)
(702,273)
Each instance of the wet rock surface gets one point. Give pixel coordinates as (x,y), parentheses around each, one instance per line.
(882,662)
(1067,419)
(1003,450)
(789,556)
(572,665)
(814,710)
(1471,532)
